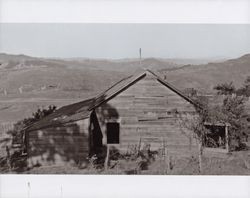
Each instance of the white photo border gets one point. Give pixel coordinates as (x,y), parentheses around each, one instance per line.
(124,11)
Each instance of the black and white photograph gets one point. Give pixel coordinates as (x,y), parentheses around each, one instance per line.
(119,99)
(124,98)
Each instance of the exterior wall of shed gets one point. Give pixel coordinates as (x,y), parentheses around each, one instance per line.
(65,145)
(146,113)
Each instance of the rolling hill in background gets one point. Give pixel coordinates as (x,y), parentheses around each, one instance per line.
(20,74)
(27,83)
(204,77)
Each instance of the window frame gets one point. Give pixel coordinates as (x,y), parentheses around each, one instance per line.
(117,136)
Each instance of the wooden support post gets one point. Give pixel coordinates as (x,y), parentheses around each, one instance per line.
(227,138)
(166,157)
(139,147)
(107,158)
(8,158)
(200,155)
(167,160)
(163,147)
(25,141)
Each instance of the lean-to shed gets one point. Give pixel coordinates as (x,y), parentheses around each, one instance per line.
(140,109)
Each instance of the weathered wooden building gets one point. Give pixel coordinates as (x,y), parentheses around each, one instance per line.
(140,109)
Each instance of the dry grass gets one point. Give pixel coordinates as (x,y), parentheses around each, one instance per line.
(205,77)
(227,164)
(4,137)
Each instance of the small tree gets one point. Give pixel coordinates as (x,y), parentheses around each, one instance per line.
(245,89)
(225,88)
(232,111)
(196,124)
(17,134)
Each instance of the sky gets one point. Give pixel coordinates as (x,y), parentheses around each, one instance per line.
(116,41)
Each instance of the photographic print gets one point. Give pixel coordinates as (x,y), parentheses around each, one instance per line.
(150,99)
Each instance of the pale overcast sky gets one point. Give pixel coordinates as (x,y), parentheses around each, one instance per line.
(124,40)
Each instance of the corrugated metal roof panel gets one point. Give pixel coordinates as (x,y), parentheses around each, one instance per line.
(65,114)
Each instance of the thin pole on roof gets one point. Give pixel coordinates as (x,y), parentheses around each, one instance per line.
(140,55)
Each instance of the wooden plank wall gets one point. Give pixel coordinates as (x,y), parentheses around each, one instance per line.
(59,145)
(146,111)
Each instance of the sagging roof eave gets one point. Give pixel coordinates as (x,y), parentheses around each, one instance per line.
(32,127)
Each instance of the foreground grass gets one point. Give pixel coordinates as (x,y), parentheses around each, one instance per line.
(237,163)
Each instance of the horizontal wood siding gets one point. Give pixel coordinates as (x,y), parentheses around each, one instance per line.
(146,111)
(59,145)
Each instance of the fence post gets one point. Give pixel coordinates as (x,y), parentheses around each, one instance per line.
(226,138)
(139,147)
(8,158)
(107,158)
(200,150)
(166,157)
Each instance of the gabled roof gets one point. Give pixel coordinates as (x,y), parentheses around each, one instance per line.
(83,109)
(174,89)
(117,88)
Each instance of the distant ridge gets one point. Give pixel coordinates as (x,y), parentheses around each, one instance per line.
(204,77)
(27,83)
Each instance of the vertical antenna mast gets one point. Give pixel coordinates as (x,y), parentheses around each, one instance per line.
(140,55)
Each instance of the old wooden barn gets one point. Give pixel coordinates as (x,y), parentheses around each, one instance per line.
(140,108)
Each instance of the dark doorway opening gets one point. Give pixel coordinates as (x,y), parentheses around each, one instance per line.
(95,134)
(215,136)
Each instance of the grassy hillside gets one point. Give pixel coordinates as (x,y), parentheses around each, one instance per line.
(27,83)
(28,76)
(205,77)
